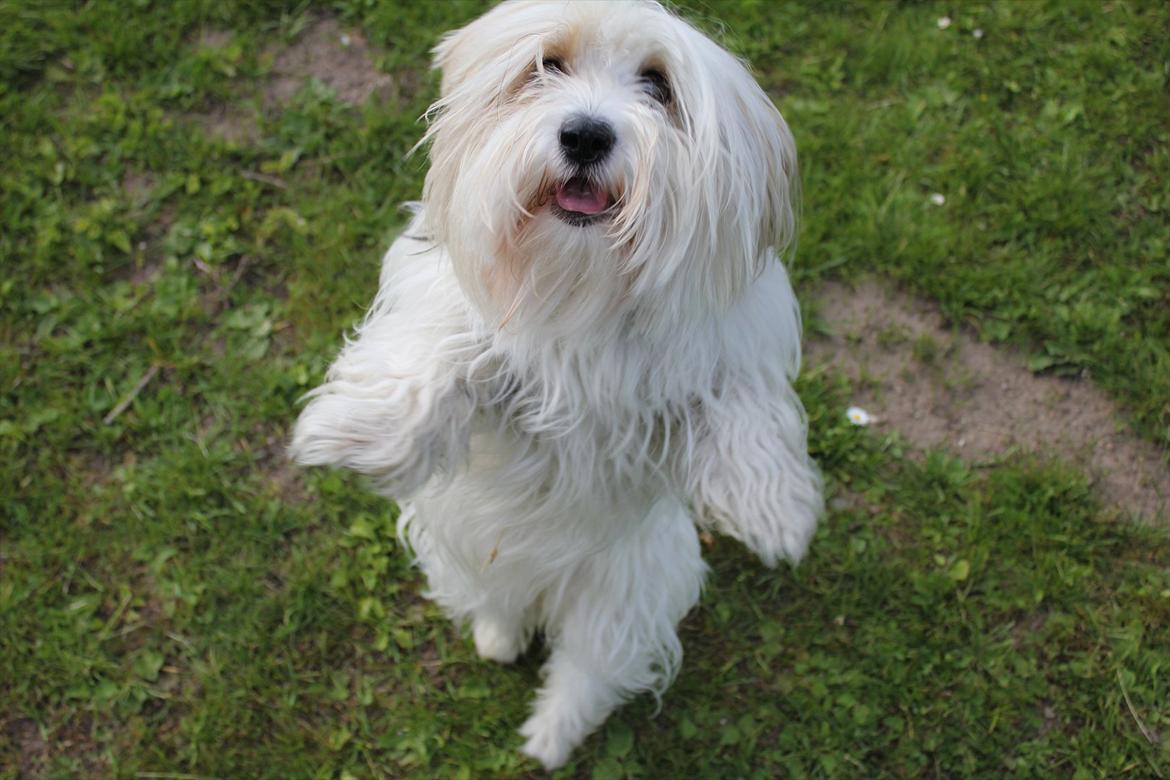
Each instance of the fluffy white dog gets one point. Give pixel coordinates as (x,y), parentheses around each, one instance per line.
(583,346)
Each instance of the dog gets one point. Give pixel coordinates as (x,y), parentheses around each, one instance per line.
(582,349)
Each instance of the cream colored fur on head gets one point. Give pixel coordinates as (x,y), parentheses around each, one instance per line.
(583,347)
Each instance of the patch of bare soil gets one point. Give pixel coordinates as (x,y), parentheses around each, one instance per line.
(213,39)
(31,745)
(139,184)
(339,58)
(234,124)
(941,388)
(36,751)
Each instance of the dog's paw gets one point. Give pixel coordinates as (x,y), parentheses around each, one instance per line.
(357,434)
(550,740)
(335,430)
(496,641)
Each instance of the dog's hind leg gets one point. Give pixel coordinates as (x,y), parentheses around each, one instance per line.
(612,630)
(467,581)
(500,636)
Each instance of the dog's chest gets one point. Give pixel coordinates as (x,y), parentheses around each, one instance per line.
(581,421)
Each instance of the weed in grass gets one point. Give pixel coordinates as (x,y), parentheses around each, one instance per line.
(926,350)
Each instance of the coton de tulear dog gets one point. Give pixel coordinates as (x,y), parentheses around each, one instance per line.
(582,348)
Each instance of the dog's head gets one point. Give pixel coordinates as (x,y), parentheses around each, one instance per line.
(590,157)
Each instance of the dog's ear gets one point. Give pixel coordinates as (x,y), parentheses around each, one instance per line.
(745,158)
(453,56)
(761,164)
(487,42)
(776,149)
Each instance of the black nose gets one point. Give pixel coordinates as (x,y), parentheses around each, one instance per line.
(586,140)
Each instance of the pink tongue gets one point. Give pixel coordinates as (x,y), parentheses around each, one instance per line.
(582,198)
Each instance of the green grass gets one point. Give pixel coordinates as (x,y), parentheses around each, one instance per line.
(176,601)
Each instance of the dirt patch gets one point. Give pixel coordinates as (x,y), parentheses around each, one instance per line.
(37,750)
(286,482)
(1049,720)
(32,747)
(138,185)
(339,58)
(941,388)
(141,187)
(1027,627)
(212,38)
(233,124)
(284,479)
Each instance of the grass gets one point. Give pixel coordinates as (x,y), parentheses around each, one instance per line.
(175,601)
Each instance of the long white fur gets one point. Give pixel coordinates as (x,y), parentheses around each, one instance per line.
(556,407)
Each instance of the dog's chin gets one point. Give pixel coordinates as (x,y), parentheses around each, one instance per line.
(581,202)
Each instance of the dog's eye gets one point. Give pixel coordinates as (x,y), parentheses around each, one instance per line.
(656,86)
(552,65)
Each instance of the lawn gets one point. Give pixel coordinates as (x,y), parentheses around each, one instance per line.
(189,227)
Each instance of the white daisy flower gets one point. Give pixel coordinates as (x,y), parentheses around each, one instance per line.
(858,416)
(978,33)
(938,198)
(944,22)
(346,40)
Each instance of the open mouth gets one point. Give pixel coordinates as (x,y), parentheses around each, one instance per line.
(579,201)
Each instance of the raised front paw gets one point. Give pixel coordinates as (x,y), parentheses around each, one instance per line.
(363,435)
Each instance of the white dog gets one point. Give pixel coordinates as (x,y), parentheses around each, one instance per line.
(583,346)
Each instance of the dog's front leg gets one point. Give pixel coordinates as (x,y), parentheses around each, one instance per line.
(396,405)
(746,468)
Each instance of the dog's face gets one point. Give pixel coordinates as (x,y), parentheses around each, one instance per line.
(589,156)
